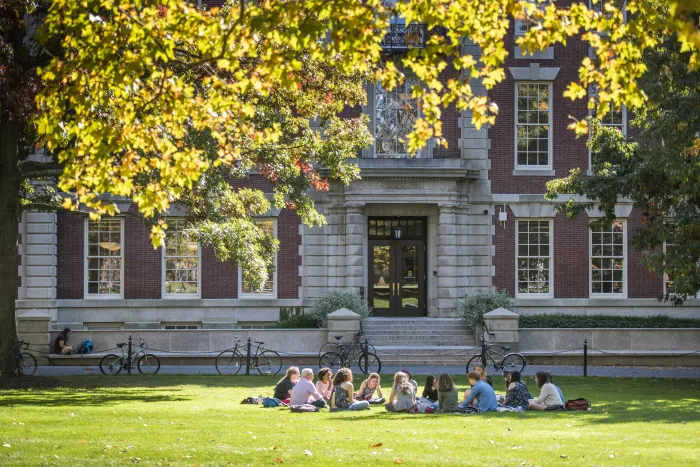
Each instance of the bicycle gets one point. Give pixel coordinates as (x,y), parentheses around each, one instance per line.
(346,355)
(508,361)
(112,364)
(230,361)
(27,361)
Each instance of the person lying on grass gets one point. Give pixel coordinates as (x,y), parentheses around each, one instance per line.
(549,398)
(367,389)
(304,392)
(324,385)
(482,395)
(343,391)
(286,384)
(447,394)
(403,394)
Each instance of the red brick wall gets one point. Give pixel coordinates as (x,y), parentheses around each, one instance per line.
(219,279)
(142,263)
(571,267)
(504,245)
(450,121)
(567,151)
(642,282)
(70,262)
(288,259)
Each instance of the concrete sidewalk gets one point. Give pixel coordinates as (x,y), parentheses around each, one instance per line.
(557,370)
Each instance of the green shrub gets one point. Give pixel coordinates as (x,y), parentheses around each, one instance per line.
(605,321)
(336,299)
(473,307)
(295,318)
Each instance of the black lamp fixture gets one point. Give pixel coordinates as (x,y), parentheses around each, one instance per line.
(397,232)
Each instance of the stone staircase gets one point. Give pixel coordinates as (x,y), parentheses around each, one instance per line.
(420,341)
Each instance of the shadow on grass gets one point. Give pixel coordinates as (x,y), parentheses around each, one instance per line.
(82,397)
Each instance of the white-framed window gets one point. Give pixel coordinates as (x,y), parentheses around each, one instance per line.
(668,281)
(181,262)
(269,290)
(534,251)
(614,118)
(103,326)
(523,26)
(533,125)
(104,258)
(608,250)
(181,326)
(395,113)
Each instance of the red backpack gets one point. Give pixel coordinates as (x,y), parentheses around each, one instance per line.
(578,404)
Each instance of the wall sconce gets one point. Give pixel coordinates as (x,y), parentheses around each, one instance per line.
(397,232)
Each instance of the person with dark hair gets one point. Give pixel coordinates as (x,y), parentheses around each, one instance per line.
(61,345)
(283,389)
(549,398)
(447,394)
(561,394)
(430,391)
(517,395)
(324,385)
(482,395)
(411,380)
(343,391)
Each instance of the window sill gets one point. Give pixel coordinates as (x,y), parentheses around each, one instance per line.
(520,54)
(533,173)
(611,296)
(103,297)
(183,296)
(533,296)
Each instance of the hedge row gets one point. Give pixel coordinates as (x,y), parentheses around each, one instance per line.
(604,321)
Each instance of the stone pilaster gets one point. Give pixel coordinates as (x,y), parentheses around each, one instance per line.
(447,268)
(354,251)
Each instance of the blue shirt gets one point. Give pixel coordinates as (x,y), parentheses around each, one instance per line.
(561,394)
(485,396)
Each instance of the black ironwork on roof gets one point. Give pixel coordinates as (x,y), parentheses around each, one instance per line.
(401,37)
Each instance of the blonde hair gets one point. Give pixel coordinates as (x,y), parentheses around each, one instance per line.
(288,375)
(402,383)
(307,372)
(483,369)
(374,376)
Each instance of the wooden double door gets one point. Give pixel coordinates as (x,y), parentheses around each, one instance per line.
(397,277)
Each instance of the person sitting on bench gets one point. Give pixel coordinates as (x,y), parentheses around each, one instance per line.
(61,345)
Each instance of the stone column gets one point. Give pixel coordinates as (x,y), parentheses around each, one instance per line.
(344,323)
(39,281)
(354,251)
(33,327)
(447,274)
(503,325)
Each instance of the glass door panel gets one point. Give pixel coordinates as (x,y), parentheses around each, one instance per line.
(381,279)
(410,278)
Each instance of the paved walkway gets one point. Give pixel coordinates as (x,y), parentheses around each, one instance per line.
(558,370)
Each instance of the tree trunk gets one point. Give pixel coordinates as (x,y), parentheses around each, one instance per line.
(9,227)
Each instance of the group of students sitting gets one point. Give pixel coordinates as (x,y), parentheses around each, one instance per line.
(439,394)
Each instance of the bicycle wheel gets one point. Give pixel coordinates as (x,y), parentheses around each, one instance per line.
(148,364)
(28,363)
(328,347)
(229,362)
(331,360)
(268,363)
(111,364)
(370,363)
(513,362)
(474,360)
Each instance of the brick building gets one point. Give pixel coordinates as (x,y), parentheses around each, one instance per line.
(414,235)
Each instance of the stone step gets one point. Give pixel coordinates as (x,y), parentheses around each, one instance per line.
(419,342)
(399,350)
(429,333)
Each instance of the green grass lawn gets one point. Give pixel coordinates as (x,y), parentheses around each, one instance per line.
(198,420)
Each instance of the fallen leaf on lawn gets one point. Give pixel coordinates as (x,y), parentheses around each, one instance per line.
(564,456)
(145,424)
(435,446)
(523,463)
(683,422)
(458,434)
(491,441)
(136,460)
(82,441)
(398,461)
(7,445)
(274,447)
(72,414)
(279,461)
(255,437)
(612,456)
(308,453)
(107,446)
(375,445)
(510,429)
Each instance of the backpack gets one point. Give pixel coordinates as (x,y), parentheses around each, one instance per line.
(578,404)
(303,408)
(253,400)
(269,402)
(84,347)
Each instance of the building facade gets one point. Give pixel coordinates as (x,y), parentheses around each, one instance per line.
(414,235)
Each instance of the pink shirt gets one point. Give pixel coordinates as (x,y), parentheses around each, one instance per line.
(324,388)
(303,391)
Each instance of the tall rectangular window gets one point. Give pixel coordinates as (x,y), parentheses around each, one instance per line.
(103,258)
(668,278)
(534,257)
(269,289)
(523,25)
(395,112)
(608,264)
(614,118)
(180,262)
(532,125)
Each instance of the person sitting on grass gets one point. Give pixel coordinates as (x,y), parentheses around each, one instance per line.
(324,385)
(430,390)
(61,345)
(482,395)
(447,394)
(368,388)
(403,394)
(517,395)
(561,394)
(479,368)
(342,392)
(304,392)
(411,380)
(285,385)
(549,398)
